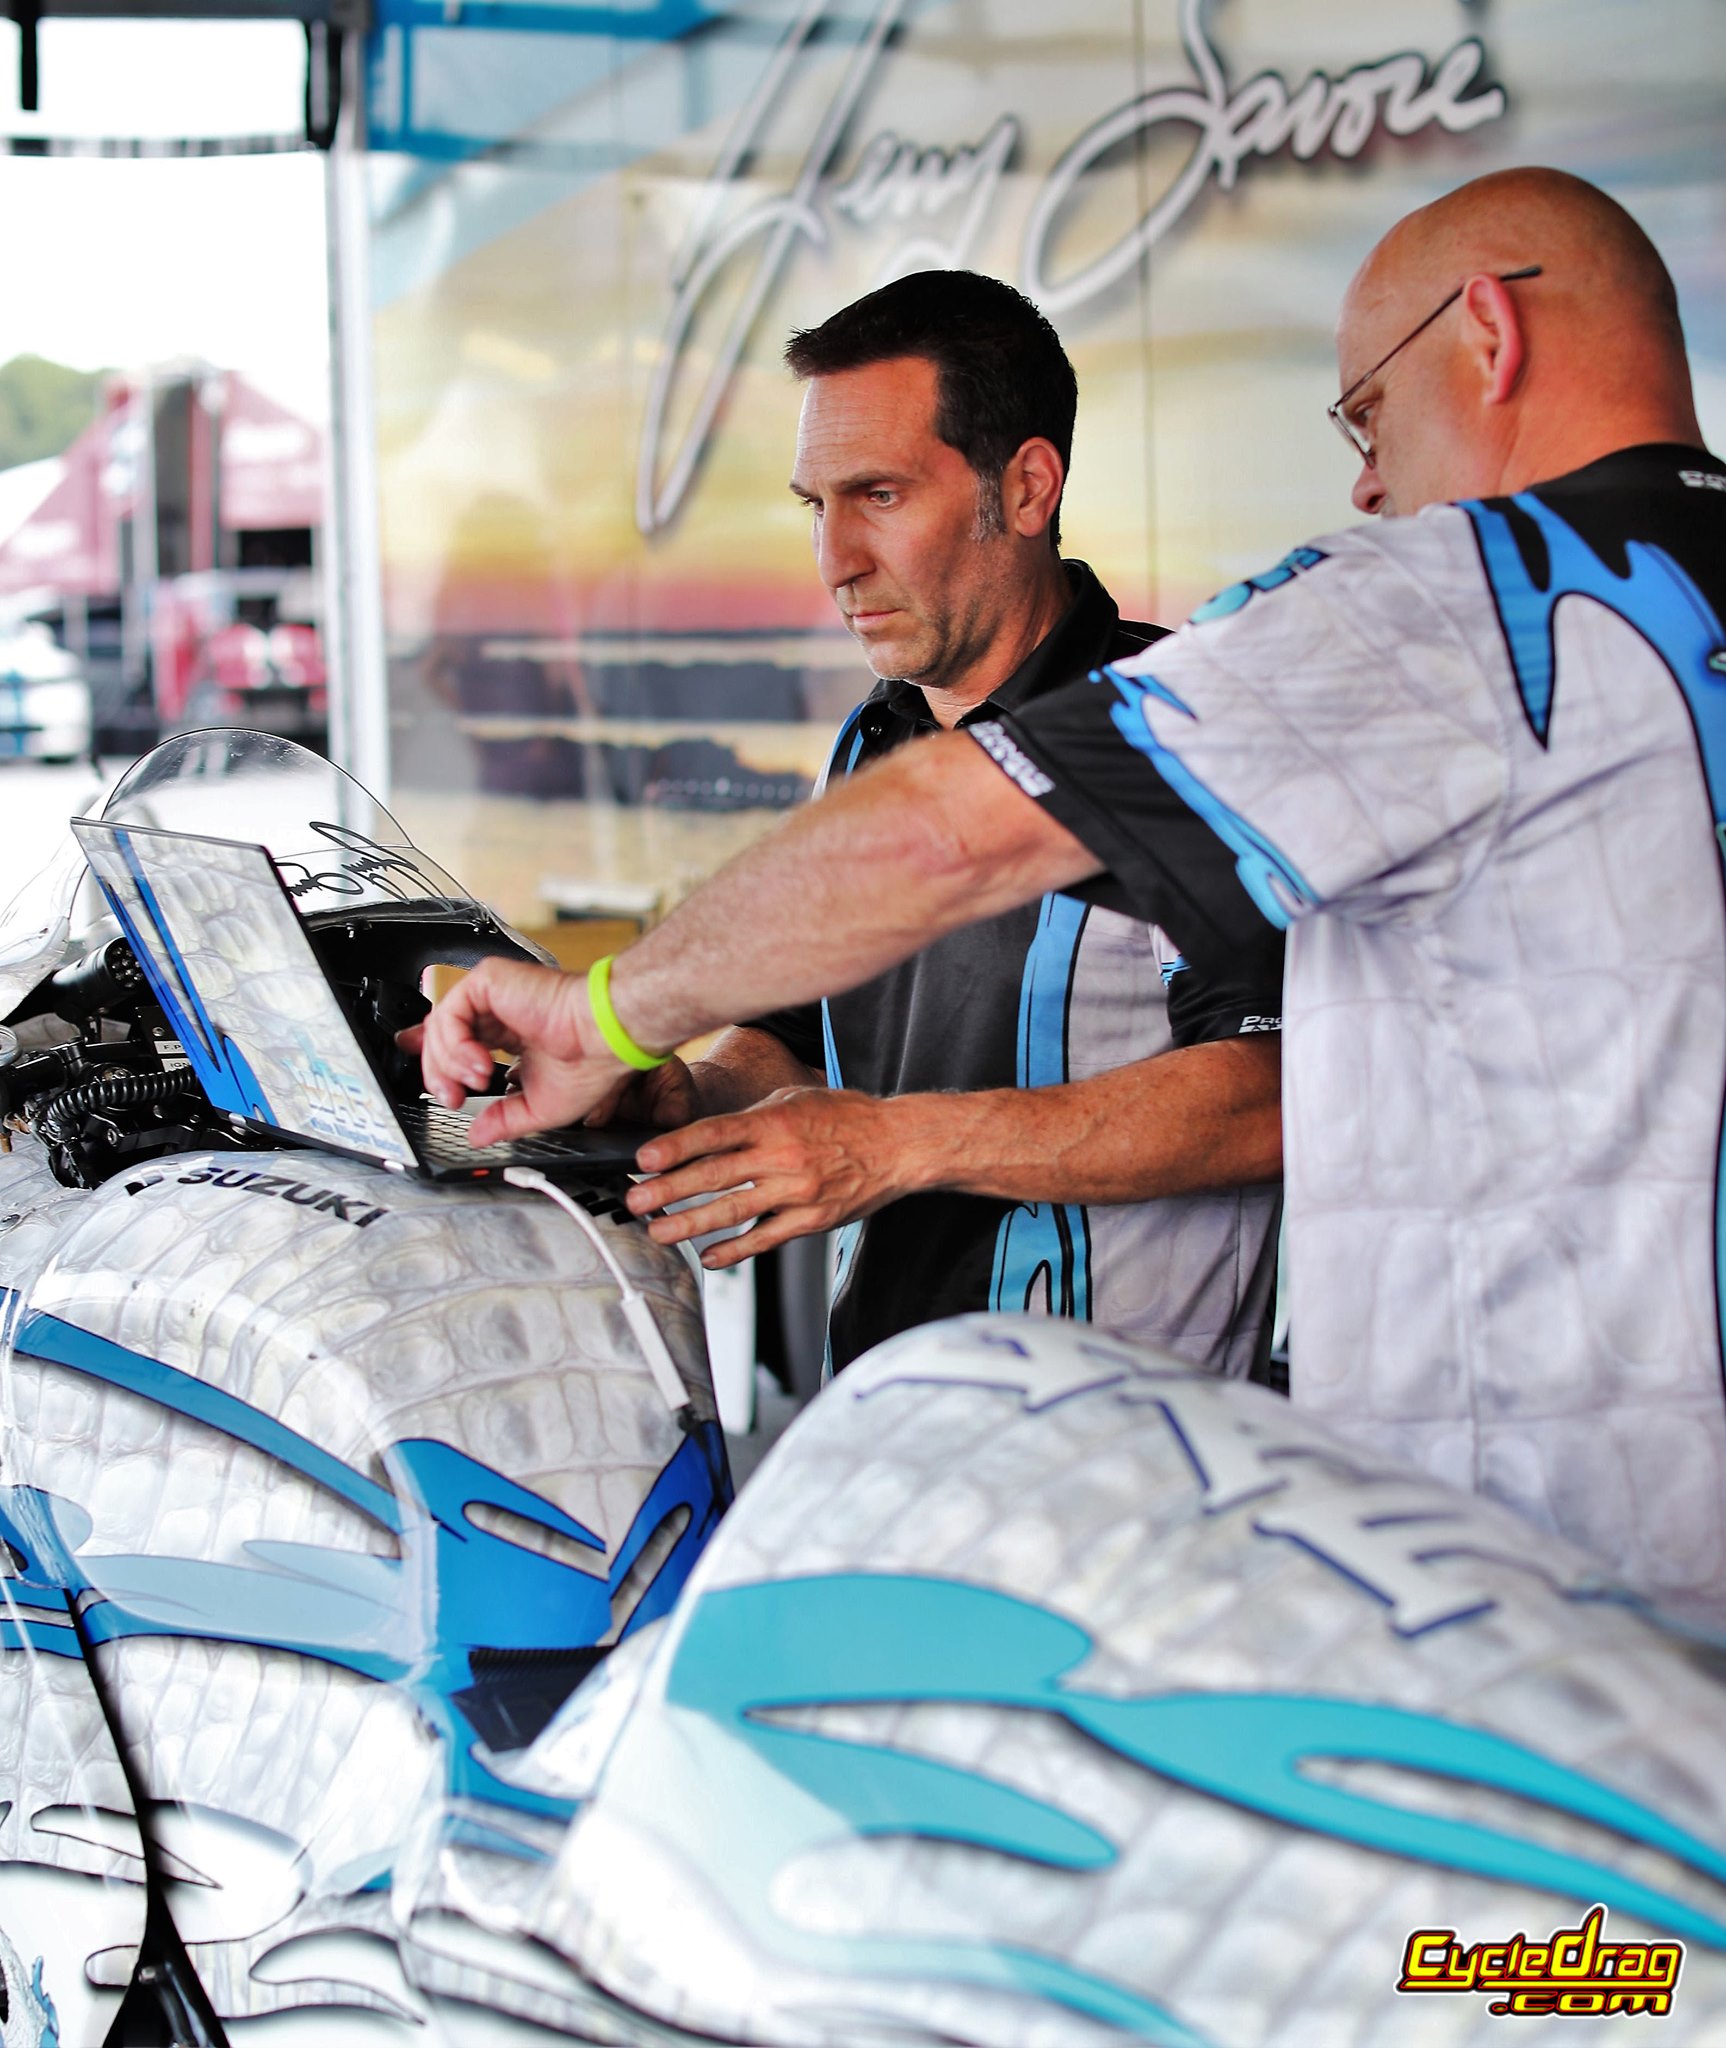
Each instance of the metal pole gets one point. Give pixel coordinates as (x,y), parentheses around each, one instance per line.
(353,567)
(138,576)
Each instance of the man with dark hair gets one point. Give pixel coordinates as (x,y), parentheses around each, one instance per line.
(1022,1115)
(1002,377)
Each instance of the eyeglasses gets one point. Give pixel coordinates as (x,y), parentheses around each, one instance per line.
(1341,421)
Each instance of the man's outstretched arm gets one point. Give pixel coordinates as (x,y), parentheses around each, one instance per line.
(1196,1118)
(930,839)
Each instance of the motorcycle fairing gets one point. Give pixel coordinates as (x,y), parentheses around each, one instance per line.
(71,1861)
(1040,1682)
(224,1073)
(328,1563)
(416,1620)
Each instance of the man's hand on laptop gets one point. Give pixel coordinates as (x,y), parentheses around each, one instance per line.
(566,1070)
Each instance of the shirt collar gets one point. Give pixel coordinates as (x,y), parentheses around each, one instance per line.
(1069,647)
(1651,462)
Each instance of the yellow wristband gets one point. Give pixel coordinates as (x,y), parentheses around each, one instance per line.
(599,1001)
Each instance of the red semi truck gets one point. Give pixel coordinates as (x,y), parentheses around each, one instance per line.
(178,557)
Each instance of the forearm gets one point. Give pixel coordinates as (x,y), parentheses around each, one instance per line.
(741,1067)
(930,839)
(1195,1119)
(806,1160)
(933,838)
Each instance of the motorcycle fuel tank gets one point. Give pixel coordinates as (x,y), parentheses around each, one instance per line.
(1042,1692)
(324,1487)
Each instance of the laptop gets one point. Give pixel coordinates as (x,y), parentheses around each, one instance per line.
(241,985)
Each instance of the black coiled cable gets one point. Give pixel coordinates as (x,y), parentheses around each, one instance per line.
(58,1122)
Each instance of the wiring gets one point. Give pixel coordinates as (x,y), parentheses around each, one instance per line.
(637,1312)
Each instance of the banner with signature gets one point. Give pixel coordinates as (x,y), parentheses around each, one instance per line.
(593,228)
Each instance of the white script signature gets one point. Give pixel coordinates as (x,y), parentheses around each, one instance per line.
(897,182)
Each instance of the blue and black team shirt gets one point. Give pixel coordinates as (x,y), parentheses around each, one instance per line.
(1057,991)
(1476,760)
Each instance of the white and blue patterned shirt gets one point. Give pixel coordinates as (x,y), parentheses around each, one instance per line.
(1476,760)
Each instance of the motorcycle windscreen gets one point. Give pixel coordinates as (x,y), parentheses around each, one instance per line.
(338,850)
(37,924)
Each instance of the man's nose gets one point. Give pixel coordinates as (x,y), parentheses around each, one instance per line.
(840,554)
(1368,492)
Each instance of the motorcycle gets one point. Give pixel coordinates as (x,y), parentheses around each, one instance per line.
(1038,1691)
(320,1487)
(1041,1692)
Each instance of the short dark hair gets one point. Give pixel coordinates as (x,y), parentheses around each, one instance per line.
(1002,376)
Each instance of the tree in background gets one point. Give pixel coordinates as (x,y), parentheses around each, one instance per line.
(44,407)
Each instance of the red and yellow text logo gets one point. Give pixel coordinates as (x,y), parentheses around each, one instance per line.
(1573,1971)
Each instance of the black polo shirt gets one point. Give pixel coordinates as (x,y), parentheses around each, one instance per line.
(993,1006)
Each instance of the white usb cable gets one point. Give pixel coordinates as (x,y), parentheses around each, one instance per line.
(636,1310)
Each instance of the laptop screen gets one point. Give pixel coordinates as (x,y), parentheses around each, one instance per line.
(230,963)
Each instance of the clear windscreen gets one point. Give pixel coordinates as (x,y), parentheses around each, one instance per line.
(335,846)
(35,924)
(338,850)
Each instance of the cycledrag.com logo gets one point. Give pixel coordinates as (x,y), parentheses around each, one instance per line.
(1573,1971)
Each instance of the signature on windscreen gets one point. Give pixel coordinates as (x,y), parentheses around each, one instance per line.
(366,869)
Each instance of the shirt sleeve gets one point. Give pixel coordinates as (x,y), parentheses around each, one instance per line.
(1237,997)
(1323,736)
(799,1030)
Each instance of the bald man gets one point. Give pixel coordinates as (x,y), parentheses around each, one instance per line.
(1474,755)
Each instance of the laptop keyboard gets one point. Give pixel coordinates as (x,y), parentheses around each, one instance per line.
(441,1135)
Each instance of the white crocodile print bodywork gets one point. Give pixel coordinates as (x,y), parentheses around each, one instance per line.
(1208,1540)
(475,1317)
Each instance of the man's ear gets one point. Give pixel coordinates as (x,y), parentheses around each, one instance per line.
(1031,487)
(1492,333)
